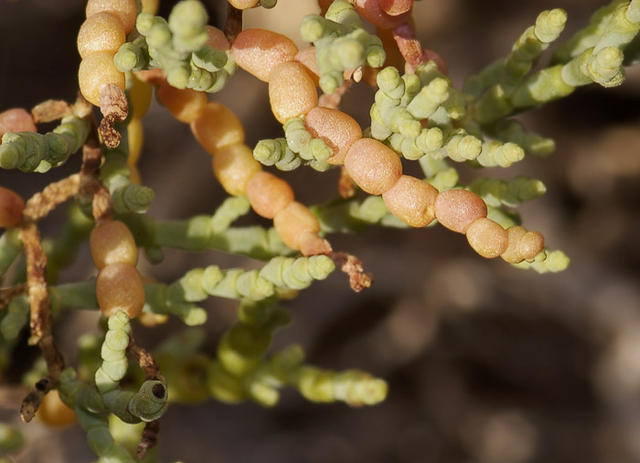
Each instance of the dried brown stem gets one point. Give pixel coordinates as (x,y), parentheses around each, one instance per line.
(90,186)
(144,358)
(50,110)
(36,284)
(91,158)
(233,24)
(149,438)
(6,294)
(32,401)
(352,266)
(101,205)
(114,107)
(41,320)
(40,204)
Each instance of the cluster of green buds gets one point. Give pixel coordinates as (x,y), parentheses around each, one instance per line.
(342,44)
(287,367)
(35,152)
(403,102)
(180,47)
(594,54)
(496,192)
(280,273)
(298,147)
(115,174)
(241,370)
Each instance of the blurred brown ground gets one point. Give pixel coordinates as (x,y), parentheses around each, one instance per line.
(485,363)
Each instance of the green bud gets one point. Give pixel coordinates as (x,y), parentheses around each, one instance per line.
(130,57)
(330,82)
(349,52)
(379,128)
(429,98)
(463,147)
(209,59)
(178,76)
(231,209)
(390,82)
(268,152)
(159,35)
(550,24)
(430,139)
(11,154)
(188,18)
(376,56)
(144,23)
(193,316)
(497,154)
(131,198)
(343,12)
(296,134)
(605,67)
(313,27)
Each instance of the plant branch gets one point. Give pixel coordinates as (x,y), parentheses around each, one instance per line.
(40,204)
(233,24)
(41,320)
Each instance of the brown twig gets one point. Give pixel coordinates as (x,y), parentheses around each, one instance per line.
(152,371)
(50,110)
(144,358)
(91,158)
(233,24)
(91,189)
(149,438)
(41,320)
(40,204)
(114,107)
(352,266)
(36,283)
(32,401)
(6,294)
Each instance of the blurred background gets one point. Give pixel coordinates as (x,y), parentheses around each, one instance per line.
(485,363)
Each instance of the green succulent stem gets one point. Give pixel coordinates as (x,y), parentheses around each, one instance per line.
(35,152)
